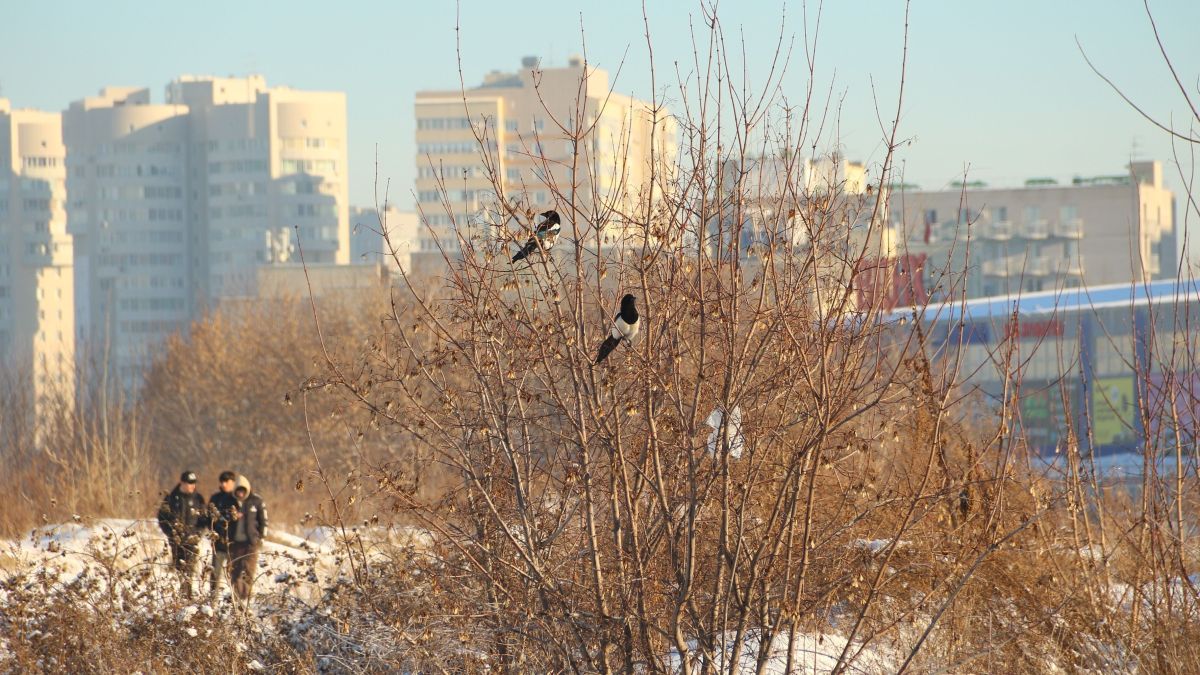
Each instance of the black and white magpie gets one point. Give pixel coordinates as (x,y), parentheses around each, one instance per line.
(625,327)
(543,237)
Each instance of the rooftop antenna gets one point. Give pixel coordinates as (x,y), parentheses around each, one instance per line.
(1135,150)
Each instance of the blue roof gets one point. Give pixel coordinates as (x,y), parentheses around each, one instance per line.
(1065,300)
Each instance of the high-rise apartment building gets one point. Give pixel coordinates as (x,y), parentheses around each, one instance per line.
(129,214)
(528,121)
(174,206)
(1043,236)
(37,328)
(269,174)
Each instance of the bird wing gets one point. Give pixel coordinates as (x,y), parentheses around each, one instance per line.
(610,343)
(530,247)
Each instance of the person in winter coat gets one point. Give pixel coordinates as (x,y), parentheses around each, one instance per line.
(182,517)
(250,526)
(221,507)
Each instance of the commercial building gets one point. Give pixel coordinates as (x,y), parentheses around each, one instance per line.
(1109,368)
(37,327)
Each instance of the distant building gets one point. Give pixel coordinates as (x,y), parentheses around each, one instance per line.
(368,245)
(270,173)
(175,206)
(37,327)
(1103,362)
(1095,231)
(130,215)
(517,116)
(295,280)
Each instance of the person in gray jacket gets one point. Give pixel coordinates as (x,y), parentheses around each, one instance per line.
(249,528)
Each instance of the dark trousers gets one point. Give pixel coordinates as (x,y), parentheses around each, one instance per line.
(184,556)
(245,563)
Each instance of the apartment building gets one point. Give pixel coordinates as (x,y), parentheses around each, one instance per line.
(367,243)
(269,173)
(129,215)
(37,327)
(175,205)
(531,123)
(1044,235)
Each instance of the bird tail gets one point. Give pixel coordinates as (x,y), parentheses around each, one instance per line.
(524,252)
(610,343)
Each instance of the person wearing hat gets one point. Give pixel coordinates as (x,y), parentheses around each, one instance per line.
(222,506)
(182,518)
(249,528)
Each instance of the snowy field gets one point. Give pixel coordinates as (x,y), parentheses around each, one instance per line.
(125,551)
(295,571)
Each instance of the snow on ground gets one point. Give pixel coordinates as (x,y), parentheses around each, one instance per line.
(811,653)
(122,551)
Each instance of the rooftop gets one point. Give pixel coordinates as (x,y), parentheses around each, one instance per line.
(1043,303)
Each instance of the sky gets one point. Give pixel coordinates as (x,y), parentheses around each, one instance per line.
(994,88)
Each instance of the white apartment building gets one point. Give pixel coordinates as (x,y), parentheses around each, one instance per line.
(1043,236)
(174,206)
(129,214)
(367,243)
(528,120)
(37,326)
(269,176)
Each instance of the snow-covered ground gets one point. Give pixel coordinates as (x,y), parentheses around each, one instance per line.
(121,551)
(293,570)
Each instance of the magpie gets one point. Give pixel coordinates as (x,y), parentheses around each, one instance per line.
(625,327)
(543,237)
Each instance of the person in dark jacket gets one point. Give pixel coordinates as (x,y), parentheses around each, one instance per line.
(250,526)
(221,507)
(182,517)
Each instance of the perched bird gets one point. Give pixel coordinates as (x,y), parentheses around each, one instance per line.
(625,327)
(543,237)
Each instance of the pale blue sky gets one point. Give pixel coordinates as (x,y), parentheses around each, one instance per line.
(996,84)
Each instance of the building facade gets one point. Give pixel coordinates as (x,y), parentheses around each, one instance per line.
(1042,236)
(270,171)
(174,206)
(37,326)
(555,138)
(129,215)
(1109,368)
(368,244)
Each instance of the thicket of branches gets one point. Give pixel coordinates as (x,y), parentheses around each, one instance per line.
(219,397)
(593,525)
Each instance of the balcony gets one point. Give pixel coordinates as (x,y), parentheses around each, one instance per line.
(1068,229)
(1035,229)
(1001,231)
(995,268)
(1037,267)
(1070,268)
